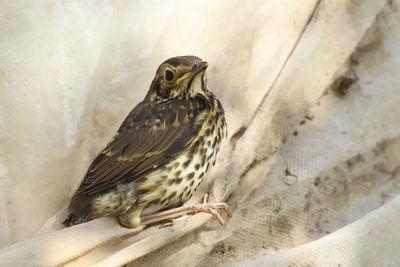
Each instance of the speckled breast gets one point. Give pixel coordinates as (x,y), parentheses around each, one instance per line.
(175,183)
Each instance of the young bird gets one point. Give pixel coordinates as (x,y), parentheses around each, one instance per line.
(159,155)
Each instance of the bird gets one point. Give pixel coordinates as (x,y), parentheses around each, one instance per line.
(159,155)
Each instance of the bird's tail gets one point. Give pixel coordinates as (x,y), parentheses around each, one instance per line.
(68,221)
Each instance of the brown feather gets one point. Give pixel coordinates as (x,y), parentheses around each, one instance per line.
(142,145)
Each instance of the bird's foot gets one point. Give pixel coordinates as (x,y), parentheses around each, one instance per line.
(210,208)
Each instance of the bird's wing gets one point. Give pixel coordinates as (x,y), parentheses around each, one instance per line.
(152,135)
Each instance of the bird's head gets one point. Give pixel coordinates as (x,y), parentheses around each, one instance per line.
(180,78)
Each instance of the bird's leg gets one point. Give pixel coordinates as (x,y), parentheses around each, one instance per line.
(205,199)
(173,222)
(131,218)
(188,210)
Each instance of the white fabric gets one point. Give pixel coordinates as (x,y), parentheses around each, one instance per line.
(367,242)
(310,158)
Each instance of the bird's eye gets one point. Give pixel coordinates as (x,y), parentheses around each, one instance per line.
(169,75)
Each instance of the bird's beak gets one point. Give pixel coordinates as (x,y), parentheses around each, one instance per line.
(199,67)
